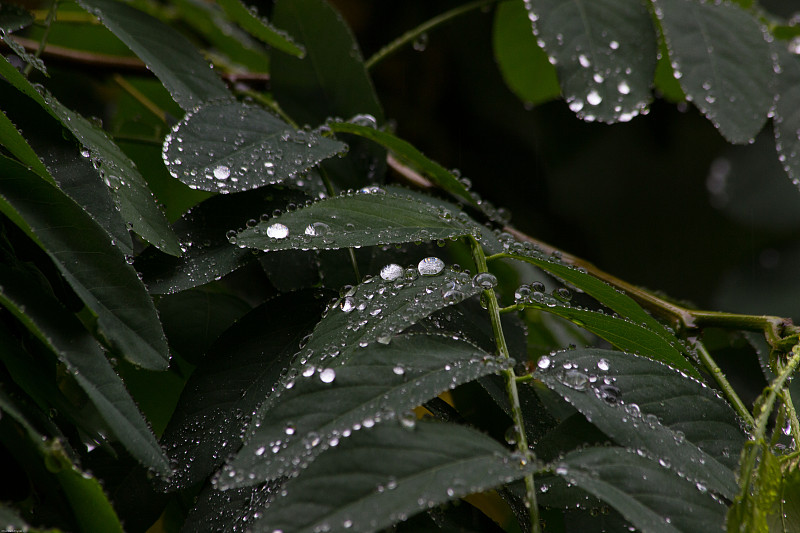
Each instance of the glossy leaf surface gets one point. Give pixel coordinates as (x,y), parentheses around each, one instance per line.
(722,62)
(232,147)
(324,406)
(95,269)
(401,471)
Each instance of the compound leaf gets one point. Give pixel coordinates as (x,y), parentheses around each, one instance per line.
(326,405)
(399,470)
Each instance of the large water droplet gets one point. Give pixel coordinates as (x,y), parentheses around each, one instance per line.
(594,97)
(574,379)
(430,266)
(484,280)
(391,272)
(544,362)
(277,231)
(222,172)
(327,375)
(316,229)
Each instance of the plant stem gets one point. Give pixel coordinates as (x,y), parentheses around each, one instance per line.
(723,382)
(48,22)
(411,35)
(788,405)
(141,98)
(511,386)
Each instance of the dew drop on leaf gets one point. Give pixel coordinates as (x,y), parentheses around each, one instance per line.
(348,304)
(391,272)
(277,231)
(430,266)
(594,98)
(544,362)
(222,172)
(316,229)
(603,364)
(327,375)
(484,280)
(574,379)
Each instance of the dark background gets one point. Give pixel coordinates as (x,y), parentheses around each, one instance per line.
(662,201)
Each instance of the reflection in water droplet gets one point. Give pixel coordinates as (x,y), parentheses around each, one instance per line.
(594,97)
(277,231)
(430,266)
(584,61)
(613,45)
(574,379)
(222,172)
(623,87)
(603,364)
(316,229)
(327,375)
(348,304)
(391,272)
(544,362)
(484,280)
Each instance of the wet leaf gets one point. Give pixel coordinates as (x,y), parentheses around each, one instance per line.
(129,189)
(397,470)
(604,52)
(13,18)
(85,361)
(407,154)
(203,233)
(597,384)
(233,147)
(14,142)
(88,502)
(324,406)
(651,497)
(722,62)
(260,28)
(234,377)
(523,64)
(167,53)
(94,268)
(787,111)
(330,81)
(625,334)
(367,218)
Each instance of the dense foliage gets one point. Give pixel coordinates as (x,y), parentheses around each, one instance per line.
(318,328)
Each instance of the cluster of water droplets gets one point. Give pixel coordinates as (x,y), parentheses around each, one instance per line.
(232,147)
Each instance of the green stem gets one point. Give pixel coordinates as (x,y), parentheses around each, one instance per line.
(271,104)
(411,35)
(788,405)
(48,22)
(511,386)
(722,381)
(137,95)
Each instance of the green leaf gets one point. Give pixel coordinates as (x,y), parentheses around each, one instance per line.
(653,498)
(604,52)
(233,147)
(327,405)
(227,511)
(399,470)
(523,64)
(233,378)
(12,139)
(369,217)
(330,81)
(596,384)
(260,28)
(89,504)
(14,18)
(625,334)
(787,111)
(601,291)
(127,186)
(202,231)
(785,517)
(85,362)
(723,63)
(409,155)
(93,266)
(167,53)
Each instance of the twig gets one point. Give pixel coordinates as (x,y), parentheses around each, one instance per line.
(723,383)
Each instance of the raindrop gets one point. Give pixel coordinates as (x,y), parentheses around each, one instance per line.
(277,231)
(522,293)
(512,435)
(609,393)
(452,296)
(603,364)
(316,229)
(327,375)
(594,97)
(574,379)
(348,304)
(484,280)
(563,294)
(222,172)
(613,45)
(391,272)
(430,266)
(408,420)
(544,362)
(623,87)
(584,61)
(421,42)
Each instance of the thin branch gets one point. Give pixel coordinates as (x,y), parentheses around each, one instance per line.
(412,35)
(724,384)
(776,329)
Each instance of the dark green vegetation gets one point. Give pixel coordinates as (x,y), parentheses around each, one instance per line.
(318,328)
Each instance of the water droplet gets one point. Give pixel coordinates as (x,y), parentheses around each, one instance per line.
(574,379)
(613,45)
(408,420)
(594,98)
(623,87)
(603,364)
(421,42)
(484,280)
(316,229)
(391,272)
(277,231)
(452,296)
(327,375)
(512,435)
(544,362)
(222,172)
(584,61)
(348,304)
(522,293)
(563,294)
(430,266)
